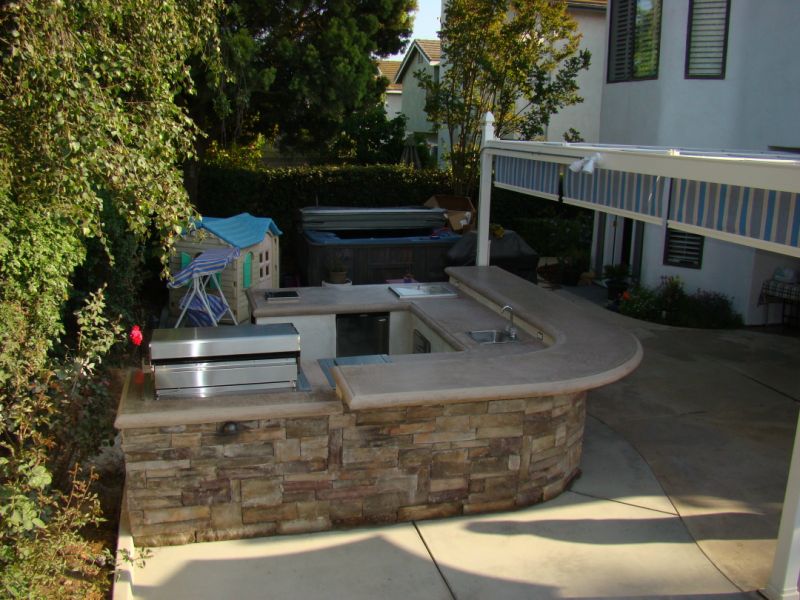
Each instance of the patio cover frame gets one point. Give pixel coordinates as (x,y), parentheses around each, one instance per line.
(774,173)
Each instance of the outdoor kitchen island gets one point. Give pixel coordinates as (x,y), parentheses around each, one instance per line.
(441,425)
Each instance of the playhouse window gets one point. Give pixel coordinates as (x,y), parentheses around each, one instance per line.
(247,270)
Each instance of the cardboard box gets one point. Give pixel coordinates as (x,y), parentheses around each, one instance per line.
(459,210)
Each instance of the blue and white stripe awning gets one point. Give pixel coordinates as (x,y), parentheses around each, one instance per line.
(209,262)
(528,176)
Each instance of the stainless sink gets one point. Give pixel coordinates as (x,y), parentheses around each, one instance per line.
(492,336)
(423,290)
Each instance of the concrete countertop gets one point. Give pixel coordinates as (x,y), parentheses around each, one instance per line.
(581,353)
(577,353)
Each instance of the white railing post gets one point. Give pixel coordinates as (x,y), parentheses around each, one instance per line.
(485,193)
(786,564)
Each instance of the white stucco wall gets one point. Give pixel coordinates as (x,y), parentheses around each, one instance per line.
(585,117)
(393,104)
(413,102)
(755,106)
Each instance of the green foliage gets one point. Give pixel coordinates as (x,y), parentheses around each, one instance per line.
(497,64)
(368,137)
(297,70)
(670,304)
(90,141)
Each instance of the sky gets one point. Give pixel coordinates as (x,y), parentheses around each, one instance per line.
(426,23)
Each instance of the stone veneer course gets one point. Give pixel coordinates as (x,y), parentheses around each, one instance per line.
(191,483)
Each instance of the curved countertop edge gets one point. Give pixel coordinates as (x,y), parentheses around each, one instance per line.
(573,333)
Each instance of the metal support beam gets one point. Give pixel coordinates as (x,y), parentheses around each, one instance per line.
(485,194)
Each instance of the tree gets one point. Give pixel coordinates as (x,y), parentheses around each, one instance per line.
(516,58)
(88,122)
(301,67)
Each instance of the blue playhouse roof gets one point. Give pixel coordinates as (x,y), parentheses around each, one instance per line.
(240,231)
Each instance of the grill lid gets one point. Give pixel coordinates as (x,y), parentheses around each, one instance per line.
(209,342)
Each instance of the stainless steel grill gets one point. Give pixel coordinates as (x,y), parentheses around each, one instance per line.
(208,361)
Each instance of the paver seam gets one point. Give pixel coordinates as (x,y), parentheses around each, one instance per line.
(631,504)
(435,562)
(677,512)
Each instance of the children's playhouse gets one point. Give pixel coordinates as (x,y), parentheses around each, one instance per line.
(257,264)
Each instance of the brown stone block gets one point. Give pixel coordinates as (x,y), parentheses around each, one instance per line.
(360,434)
(566,399)
(497,420)
(145,442)
(346,512)
(306,427)
(454,483)
(381,417)
(204,452)
(129,434)
(539,405)
(135,456)
(282,512)
(335,443)
(151,502)
(258,449)
(506,406)
(287,450)
(552,490)
(349,493)
(444,436)
(299,496)
(226,516)
(447,496)
(371,456)
(313,510)
(316,447)
(172,515)
(237,533)
(468,444)
(304,525)
(450,455)
(494,506)
(136,479)
(447,470)
(303,466)
(476,486)
(261,492)
(528,496)
(216,491)
(341,421)
(466,408)
(489,466)
(266,434)
(413,458)
(505,446)
(186,440)
(407,428)
(305,486)
(545,442)
(459,423)
(429,511)
(382,503)
(420,413)
(388,441)
(406,485)
(479,452)
(504,485)
(251,472)
(156,464)
(499,432)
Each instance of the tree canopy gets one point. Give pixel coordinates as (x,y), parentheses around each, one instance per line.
(300,68)
(516,58)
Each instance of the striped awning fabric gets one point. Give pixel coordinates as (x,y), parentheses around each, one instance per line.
(209,262)
(766,215)
(528,176)
(629,194)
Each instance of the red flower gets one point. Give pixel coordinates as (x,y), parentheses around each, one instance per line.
(626,295)
(136,336)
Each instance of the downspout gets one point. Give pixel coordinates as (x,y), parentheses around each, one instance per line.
(485,193)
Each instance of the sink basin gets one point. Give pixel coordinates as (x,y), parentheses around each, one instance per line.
(423,290)
(491,336)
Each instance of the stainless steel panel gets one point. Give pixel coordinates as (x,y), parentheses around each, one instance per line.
(205,342)
(242,372)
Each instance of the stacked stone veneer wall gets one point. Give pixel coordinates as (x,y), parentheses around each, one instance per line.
(196,483)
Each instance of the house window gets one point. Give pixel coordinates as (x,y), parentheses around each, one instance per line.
(683,249)
(707,39)
(247,271)
(634,40)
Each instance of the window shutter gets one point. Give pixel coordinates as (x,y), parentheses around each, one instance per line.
(620,51)
(707,39)
(683,249)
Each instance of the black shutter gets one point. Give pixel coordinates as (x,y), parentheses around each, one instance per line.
(707,39)
(620,49)
(683,249)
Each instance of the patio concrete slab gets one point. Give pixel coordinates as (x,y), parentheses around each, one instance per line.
(387,562)
(573,547)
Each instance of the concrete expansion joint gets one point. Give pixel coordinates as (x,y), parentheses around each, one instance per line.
(435,562)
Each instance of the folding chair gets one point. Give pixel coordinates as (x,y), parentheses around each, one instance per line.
(202,308)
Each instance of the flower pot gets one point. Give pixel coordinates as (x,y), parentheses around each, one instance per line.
(337,276)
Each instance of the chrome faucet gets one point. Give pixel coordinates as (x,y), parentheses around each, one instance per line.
(511,331)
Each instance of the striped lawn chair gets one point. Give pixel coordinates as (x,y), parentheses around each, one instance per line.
(201,308)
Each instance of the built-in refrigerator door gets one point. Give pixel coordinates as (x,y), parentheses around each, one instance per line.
(362,334)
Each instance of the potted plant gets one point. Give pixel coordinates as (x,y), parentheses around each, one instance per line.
(337,270)
(616,277)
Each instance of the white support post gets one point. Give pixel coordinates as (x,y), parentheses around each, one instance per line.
(485,194)
(786,565)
